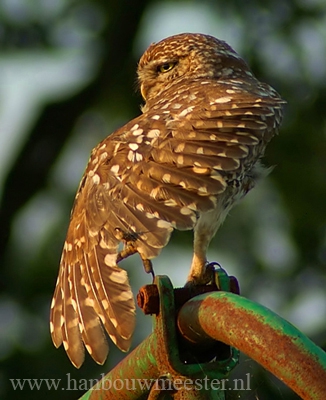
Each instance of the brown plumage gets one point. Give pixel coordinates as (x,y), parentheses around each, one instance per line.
(182,164)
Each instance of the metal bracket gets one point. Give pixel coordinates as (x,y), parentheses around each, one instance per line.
(181,363)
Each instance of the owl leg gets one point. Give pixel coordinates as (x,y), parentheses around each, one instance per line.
(130,248)
(148,266)
(204,231)
(198,274)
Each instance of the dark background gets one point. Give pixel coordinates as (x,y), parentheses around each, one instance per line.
(67,79)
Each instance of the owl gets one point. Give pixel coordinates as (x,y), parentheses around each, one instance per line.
(182,164)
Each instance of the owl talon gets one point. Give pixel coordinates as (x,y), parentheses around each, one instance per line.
(207,276)
(148,267)
(129,250)
(209,273)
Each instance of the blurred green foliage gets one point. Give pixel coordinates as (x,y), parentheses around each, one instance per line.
(68,80)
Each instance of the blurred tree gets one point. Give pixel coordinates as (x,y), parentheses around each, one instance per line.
(275,242)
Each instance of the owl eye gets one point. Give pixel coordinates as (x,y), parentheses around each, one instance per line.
(166,67)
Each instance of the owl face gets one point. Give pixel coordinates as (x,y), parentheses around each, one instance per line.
(187,56)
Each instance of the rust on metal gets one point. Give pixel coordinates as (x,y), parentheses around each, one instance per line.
(262,335)
(127,380)
(175,358)
(148,295)
(148,299)
(165,355)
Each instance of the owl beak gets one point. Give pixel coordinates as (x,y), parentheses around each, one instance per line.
(142,91)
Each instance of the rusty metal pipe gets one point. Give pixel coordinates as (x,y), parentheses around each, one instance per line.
(261,334)
(126,380)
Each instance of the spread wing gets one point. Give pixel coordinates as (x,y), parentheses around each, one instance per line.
(154,175)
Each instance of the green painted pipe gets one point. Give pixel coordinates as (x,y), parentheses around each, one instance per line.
(126,380)
(261,334)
